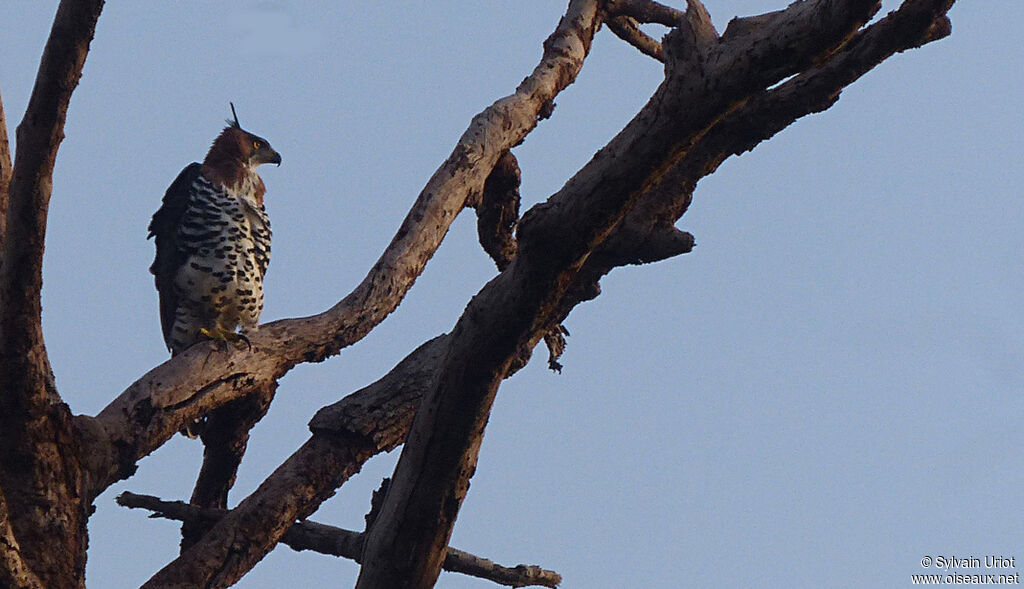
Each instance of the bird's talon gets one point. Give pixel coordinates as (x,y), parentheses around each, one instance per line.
(245,339)
(223,336)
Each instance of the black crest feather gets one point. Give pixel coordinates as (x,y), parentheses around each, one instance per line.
(233,123)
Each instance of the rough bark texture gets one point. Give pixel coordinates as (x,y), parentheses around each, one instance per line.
(192,384)
(721,96)
(5,177)
(492,133)
(41,474)
(498,211)
(14,571)
(706,78)
(628,29)
(225,437)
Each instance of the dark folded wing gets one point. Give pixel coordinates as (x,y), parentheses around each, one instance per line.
(169,255)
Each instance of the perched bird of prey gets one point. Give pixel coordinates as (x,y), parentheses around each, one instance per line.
(213,242)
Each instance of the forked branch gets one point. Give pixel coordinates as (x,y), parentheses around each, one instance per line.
(363,426)
(192,384)
(627,29)
(707,78)
(165,399)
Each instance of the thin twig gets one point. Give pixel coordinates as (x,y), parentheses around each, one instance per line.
(648,11)
(334,541)
(627,29)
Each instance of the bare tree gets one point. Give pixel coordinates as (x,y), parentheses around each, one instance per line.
(722,95)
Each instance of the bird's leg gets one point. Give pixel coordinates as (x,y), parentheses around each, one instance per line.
(224,336)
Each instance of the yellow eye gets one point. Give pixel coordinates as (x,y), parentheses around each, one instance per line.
(256,145)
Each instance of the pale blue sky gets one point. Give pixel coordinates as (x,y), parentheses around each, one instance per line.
(827,389)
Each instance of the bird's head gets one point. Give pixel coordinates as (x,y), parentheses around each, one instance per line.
(256,150)
(238,146)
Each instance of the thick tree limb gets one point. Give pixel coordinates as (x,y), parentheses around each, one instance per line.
(159,404)
(191,384)
(407,543)
(374,420)
(382,410)
(23,362)
(39,471)
(706,79)
(497,217)
(225,438)
(334,541)
(377,419)
(766,113)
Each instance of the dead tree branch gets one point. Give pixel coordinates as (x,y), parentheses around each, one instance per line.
(23,361)
(395,419)
(649,11)
(192,384)
(280,345)
(627,29)
(619,209)
(706,79)
(497,217)
(334,541)
(375,419)
(498,211)
(225,438)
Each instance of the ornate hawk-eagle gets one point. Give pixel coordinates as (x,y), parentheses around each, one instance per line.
(213,242)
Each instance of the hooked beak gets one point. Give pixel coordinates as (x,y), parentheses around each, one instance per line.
(266,155)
